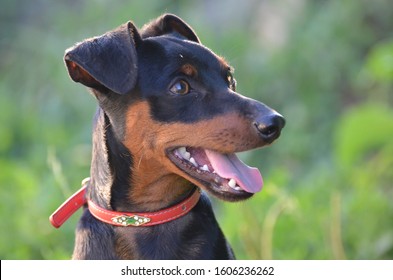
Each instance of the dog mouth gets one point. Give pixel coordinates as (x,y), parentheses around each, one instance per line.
(224,175)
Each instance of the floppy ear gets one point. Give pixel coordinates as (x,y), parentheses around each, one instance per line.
(167,24)
(108,61)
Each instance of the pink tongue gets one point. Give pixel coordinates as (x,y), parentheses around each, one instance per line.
(230,166)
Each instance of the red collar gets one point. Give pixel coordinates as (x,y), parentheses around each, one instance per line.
(78,199)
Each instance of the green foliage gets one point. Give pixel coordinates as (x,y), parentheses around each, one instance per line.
(328,69)
(380,62)
(364,130)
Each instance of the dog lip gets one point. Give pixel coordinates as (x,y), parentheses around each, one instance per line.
(209,180)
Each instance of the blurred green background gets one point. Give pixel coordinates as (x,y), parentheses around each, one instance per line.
(327,66)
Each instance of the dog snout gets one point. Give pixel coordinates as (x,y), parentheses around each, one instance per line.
(269,126)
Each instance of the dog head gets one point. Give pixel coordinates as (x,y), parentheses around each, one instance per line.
(173,104)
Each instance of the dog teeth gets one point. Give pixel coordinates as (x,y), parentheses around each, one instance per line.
(232,183)
(184,154)
(182,151)
(187,156)
(205,168)
(192,160)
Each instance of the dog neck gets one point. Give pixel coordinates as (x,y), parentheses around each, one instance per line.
(119,183)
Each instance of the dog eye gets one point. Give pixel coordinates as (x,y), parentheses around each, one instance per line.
(180,87)
(231,81)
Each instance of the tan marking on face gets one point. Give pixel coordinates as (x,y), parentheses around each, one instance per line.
(189,70)
(153,174)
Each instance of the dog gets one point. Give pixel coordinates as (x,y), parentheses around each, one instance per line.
(168,124)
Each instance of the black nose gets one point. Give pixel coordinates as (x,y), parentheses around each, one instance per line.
(269,127)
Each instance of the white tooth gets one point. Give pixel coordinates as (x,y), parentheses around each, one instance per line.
(232,183)
(205,168)
(237,188)
(182,150)
(192,160)
(186,155)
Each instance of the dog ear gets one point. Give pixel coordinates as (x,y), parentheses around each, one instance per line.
(106,62)
(167,24)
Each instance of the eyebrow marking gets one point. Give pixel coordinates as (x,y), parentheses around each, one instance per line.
(189,70)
